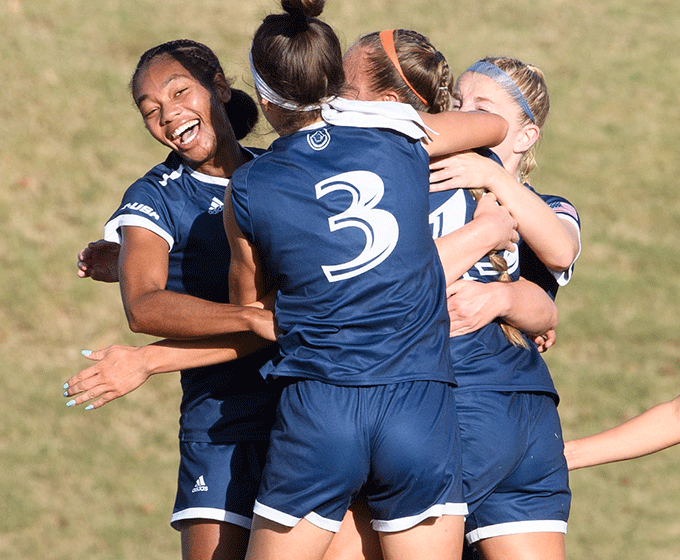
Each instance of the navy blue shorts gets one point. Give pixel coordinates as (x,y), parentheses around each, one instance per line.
(515,475)
(398,442)
(218,482)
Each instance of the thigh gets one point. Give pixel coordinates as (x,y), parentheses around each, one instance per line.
(434,539)
(208,540)
(356,539)
(272,541)
(526,546)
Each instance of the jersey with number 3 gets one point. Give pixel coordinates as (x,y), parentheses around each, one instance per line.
(339,216)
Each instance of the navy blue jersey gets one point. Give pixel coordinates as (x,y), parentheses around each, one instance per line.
(484,359)
(530,265)
(339,215)
(221,403)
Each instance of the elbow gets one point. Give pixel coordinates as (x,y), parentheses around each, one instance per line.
(562,262)
(138,320)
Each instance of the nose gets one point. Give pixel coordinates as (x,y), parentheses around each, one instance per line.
(169,112)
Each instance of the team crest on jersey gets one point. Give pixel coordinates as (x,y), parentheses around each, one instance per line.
(318,140)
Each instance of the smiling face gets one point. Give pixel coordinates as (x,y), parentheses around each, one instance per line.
(181,113)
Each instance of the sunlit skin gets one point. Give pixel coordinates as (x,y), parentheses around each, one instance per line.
(181,113)
(477,92)
(357,78)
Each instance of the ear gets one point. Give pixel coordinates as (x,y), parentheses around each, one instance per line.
(389,96)
(527,137)
(222,88)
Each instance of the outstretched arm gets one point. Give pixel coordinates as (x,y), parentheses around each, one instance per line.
(459,131)
(119,370)
(651,431)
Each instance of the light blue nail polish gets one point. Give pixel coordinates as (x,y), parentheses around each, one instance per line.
(65,386)
(86,352)
(89,407)
(66,393)
(71,402)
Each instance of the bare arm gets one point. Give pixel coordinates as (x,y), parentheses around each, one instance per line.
(246,278)
(555,241)
(651,431)
(491,229)
(119,370)
(152,309)
(459,131)
(522,304)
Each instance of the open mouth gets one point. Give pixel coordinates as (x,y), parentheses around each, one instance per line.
(187,132)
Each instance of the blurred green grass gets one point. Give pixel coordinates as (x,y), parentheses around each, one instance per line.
(101,484)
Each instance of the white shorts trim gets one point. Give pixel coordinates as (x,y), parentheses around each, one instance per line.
(516,528)
(212,514)
(291,521)
(394,525)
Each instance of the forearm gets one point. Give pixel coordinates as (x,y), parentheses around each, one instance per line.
(526,306)
(554,240)
(651,431)
(166,355)
(168,314)
(462,248)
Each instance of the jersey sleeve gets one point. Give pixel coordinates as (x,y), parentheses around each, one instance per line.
(142,206)
(565,211)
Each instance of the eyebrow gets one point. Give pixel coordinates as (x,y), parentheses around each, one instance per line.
(169,79)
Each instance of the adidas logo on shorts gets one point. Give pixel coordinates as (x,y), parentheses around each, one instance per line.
(200,485)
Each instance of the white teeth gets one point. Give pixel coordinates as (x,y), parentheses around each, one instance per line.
(184,128)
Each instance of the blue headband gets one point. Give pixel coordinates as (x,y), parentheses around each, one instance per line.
(502,79)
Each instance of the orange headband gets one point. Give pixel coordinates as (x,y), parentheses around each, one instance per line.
(387,41)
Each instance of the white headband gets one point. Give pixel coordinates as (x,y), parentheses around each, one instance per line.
(271,96)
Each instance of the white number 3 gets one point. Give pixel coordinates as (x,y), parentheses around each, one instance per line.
(379,226)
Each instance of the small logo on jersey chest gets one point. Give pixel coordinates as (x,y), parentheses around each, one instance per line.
(216,206)
(318,140)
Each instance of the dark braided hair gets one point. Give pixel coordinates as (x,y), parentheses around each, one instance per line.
(203,64)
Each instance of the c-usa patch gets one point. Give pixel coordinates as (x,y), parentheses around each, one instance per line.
(318,140)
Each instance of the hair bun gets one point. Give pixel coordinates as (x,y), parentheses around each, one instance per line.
(303,8)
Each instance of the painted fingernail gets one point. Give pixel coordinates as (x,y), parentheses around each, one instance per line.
(66,393)
(65,386)
(86,352)
(89,407)
(71,402)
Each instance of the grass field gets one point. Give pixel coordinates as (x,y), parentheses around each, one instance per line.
(101,484)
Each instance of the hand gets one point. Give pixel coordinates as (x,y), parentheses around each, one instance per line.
(118,371)
(263,323)
(99,261)
(545,341)
(467,170)
(471,305)
(501,226)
